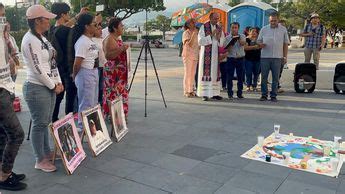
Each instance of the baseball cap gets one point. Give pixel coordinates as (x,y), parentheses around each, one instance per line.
(314,15)
(37,11)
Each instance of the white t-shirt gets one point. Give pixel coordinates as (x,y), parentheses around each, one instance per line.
(88,50)
(99,43)
(5,73)
(40,61)
(105,32)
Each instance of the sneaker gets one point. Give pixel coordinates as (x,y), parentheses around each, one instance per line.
(45,166)
(12,184)
(240,96)
(263,98)
(280,90)
(224,89)
(274,99)
(230,97)
(18,177)
(255,89)
(248,89)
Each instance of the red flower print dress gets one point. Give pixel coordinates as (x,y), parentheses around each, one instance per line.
(116,80)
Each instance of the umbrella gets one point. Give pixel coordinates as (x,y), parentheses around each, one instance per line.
(195,11)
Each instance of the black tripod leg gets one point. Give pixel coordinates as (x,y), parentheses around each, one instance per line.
(28,138)
(159,83)
(136,67)
(147,46)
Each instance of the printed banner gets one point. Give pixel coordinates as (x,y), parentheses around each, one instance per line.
(301,153)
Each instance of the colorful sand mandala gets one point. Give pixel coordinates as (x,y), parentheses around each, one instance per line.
(305,153)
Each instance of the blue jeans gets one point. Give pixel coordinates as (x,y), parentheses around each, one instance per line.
(87,87)
(41,102)
(223,73)
(267,64)
(252,72)
(232,64)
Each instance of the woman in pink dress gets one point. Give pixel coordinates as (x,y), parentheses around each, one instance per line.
(115,70)
(190,56)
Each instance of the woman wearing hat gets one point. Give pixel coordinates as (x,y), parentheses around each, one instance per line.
(42,84)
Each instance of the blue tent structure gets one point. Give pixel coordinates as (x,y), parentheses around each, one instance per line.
(178,36)
(254,14)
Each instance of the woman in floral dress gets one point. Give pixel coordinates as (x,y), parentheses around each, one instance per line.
(115,70)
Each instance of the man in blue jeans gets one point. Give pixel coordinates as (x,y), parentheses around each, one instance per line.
(235,60)
(274,41)
(11,132)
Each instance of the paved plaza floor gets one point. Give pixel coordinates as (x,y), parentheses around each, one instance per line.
(194,147)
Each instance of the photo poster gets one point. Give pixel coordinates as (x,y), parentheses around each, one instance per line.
(299,148)
(96,130)
(129,64)
(67,141)
(118,120)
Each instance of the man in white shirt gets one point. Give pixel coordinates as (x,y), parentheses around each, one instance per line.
(274,41)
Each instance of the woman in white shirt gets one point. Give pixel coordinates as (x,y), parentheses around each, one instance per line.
(86,63)
(99,42)
(42,84)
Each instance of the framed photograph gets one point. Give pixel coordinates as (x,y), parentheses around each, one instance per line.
(68,143)
(95,130)
(118,120)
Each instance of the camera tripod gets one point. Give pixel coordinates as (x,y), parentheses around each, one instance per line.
(147,50)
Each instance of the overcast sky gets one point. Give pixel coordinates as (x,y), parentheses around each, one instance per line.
(170,4)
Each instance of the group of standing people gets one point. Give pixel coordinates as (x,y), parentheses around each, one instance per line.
(70,57)
(219,56)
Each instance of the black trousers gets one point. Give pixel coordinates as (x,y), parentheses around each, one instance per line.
(71,94)
(11,132)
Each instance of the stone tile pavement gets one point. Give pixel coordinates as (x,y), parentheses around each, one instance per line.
(194,146)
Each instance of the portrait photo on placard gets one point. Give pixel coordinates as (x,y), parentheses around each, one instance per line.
(96,130)
(118,119)
(67,141)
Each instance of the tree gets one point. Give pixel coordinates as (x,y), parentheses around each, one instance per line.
(330,11)
(16,17)
(122,9)
(234,2)
(150,25)
(161,23)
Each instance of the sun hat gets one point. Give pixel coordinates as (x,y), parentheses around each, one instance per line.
(37,11)
(314,15)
